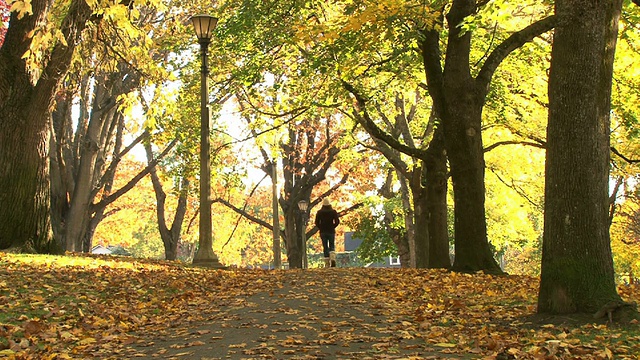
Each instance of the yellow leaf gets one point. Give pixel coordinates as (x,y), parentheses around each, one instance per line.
(87,341)
(445,345)
(608,353)
(60,37)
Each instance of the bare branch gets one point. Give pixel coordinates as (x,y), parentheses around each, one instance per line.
(515,188)
(362,116)
(243,213)
(630,161)
(123,190)
(514,142)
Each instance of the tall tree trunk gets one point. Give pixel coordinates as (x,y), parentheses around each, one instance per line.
(577,267)
(106,182)
(436,182)
(78,216)
(293,236)
(24,179)
(78,157)
(461,120)
(91,152)
(61,163)
(407,243)
(421,216)
(25,126)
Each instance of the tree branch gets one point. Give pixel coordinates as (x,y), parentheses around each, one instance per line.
(513,142)
(243,213)
(123,190)
(515,188)
(116,160)
(362,116)
(432,63)
(615,151)
(513,42)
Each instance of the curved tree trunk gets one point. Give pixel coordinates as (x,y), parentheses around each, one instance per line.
(170,236)
(577,266)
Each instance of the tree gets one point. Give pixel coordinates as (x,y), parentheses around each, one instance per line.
(84,157)
(310,148)
(170,235)
(577,268)
(426,179)
(31,68)
(392,40)
(116,72)
(385,225)
(459,98)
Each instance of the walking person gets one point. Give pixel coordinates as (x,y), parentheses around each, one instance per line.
(327,220)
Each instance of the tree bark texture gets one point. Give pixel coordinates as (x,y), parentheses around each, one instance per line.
(577,267)
(421,218)
(25,127)
(436,178)
(293,236)
(407,243)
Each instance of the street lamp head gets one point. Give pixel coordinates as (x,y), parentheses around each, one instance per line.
(302,205)
(204,25)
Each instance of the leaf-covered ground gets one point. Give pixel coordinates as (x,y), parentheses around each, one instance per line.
(77,307)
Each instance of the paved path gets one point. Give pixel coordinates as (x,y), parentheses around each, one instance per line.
(313,314)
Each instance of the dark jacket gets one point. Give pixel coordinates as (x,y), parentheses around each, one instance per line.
(327,220)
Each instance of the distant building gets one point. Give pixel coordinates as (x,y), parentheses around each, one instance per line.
(109,250)
(351,244)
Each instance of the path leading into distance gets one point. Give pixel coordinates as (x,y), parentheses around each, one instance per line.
(312,314)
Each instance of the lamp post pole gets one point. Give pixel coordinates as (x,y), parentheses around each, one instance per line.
(303,205)
(277,260)
(204,25)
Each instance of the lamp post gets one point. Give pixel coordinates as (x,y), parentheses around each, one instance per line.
(204,25)
(303,205)
(277,259)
